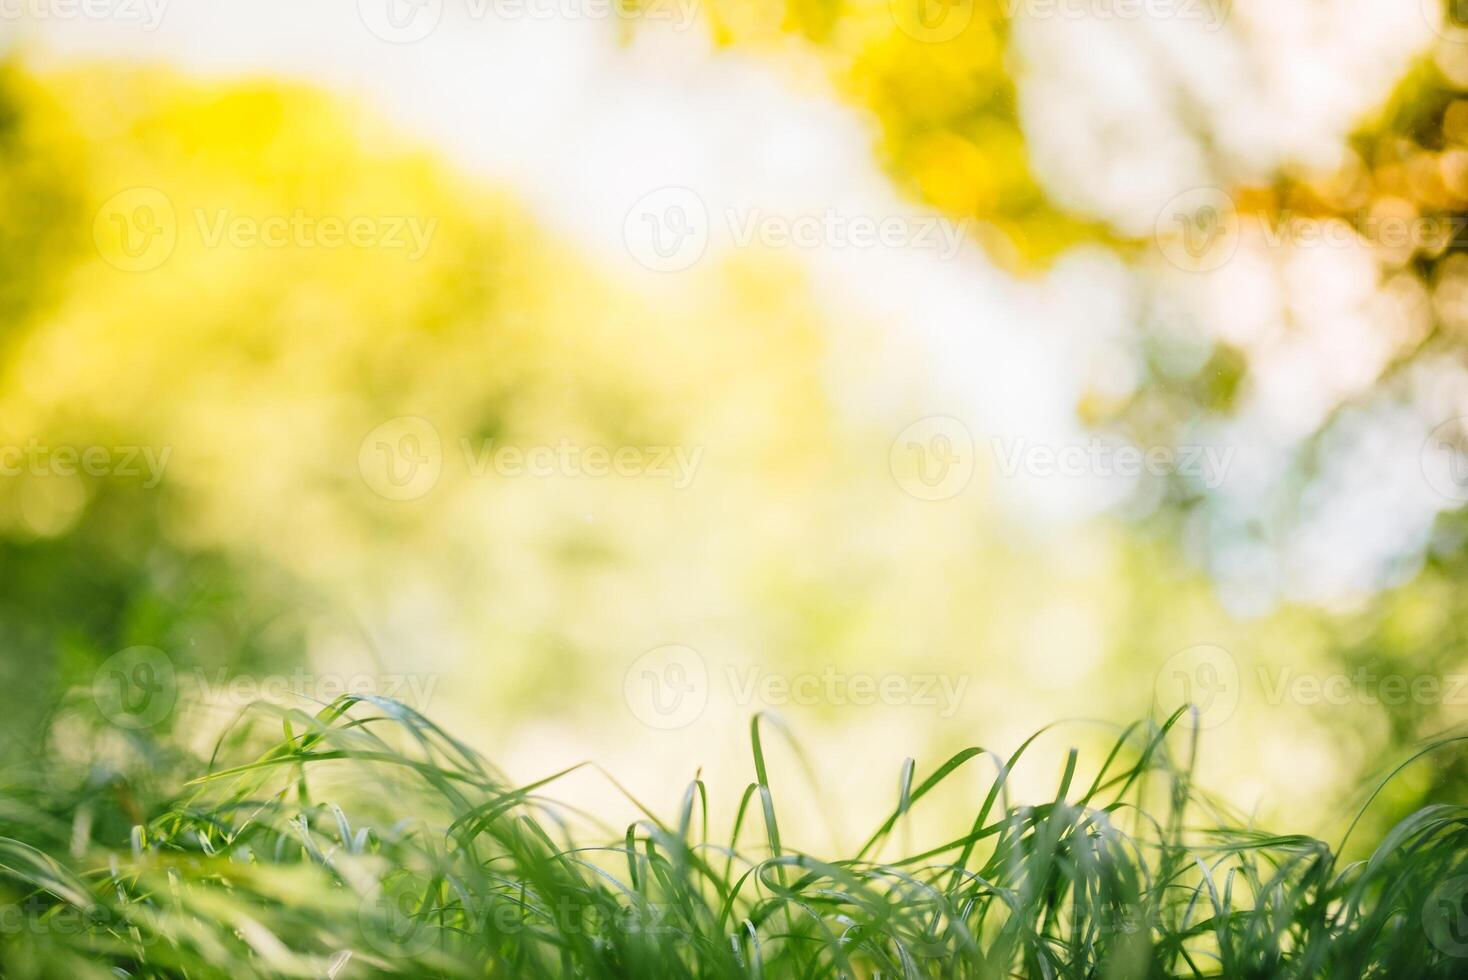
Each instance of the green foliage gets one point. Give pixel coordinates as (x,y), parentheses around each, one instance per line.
(369,842)
(38,193)
(117,581)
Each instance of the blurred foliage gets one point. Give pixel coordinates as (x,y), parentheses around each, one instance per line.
(262,370)
(38,194)
(937,78)
(940,81)
(114,582)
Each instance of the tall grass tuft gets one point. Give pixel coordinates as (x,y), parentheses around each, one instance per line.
(366,841)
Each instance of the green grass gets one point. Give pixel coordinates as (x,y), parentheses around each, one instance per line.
(366,841)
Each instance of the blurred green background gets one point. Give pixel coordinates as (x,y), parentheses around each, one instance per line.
(521,605)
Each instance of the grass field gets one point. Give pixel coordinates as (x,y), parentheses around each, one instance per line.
(365,841)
